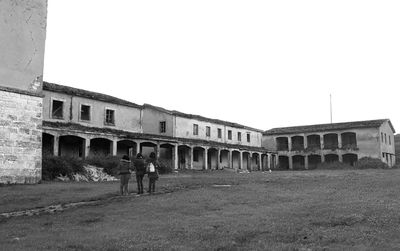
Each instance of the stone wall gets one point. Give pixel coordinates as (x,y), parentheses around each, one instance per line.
(20,138)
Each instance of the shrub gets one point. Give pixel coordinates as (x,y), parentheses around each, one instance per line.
(165,166)
(370,163)
(333,165)
(54,166)
(109,163)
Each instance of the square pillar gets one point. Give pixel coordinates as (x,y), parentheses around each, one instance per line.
(240,160)
(306,161)
(305,142)
(340,157)
(113,146)
(191,158)
(322,158)
(218,158)
(157,150)
(56,145)
(260,162)
(175,157)
(321,137)
(290,162)
(290,143)
(230,164)
(269,161)
(339,140)
(205,158)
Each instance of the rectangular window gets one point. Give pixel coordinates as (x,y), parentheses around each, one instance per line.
(382,136)
(390,140)
(163,127)
(110,117)
(219,133)
(385,139)
(239,136)
(229,134)
(248,137)
(195,129)
(85,112)
(208,131)
(57,109)
(383,155)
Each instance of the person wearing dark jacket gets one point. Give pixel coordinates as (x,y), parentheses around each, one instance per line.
(124,167)
(140,168)
(152,172)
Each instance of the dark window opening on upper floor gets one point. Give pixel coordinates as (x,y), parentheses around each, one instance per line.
(57,109)
(85,112)
(219,133)
(208,131)
(229,134)
(163,127)
(248,137)
(195,129)
(239,135)
(110,117)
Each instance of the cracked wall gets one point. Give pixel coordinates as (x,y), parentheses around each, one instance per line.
(22,36)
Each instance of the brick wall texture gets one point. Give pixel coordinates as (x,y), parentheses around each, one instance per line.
(20,138)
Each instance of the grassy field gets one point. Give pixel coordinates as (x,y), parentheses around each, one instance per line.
(308,210)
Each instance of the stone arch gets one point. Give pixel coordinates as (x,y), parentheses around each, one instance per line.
(100,147)
(126,147)
(350,158)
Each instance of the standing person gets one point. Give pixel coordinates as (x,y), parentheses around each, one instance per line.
(124,167)
(152,172)
(140,171)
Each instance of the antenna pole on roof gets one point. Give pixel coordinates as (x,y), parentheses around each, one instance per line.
(330,102)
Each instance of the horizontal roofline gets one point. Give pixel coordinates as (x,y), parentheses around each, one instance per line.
(329,127)
(47,86)
(87,94)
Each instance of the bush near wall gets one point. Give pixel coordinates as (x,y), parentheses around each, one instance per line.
(54,166)
(370,163)
(333,165)
(109,163)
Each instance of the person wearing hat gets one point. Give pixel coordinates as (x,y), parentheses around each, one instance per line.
(124,168)
(140,168)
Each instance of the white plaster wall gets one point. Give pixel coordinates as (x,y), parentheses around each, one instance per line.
(126,118)
(184,129)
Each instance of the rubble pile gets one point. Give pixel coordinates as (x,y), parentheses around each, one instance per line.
(92,173)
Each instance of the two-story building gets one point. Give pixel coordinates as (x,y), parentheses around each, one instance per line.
(83,123)
(307,146)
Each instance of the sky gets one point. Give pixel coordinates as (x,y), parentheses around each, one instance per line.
(264,64)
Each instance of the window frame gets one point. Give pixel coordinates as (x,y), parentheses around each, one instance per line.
(239,136)
(163,126)
(80,112)
(248,137)
(62,110)
(208,131)
(196,129)
(219,133)
(105,116)
(229,134)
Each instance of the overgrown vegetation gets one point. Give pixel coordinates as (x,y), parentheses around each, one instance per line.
(109,163)
(370,163)
(54,166)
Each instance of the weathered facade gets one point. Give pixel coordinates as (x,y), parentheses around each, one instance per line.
(304,147)
(81,123)
(22,36)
